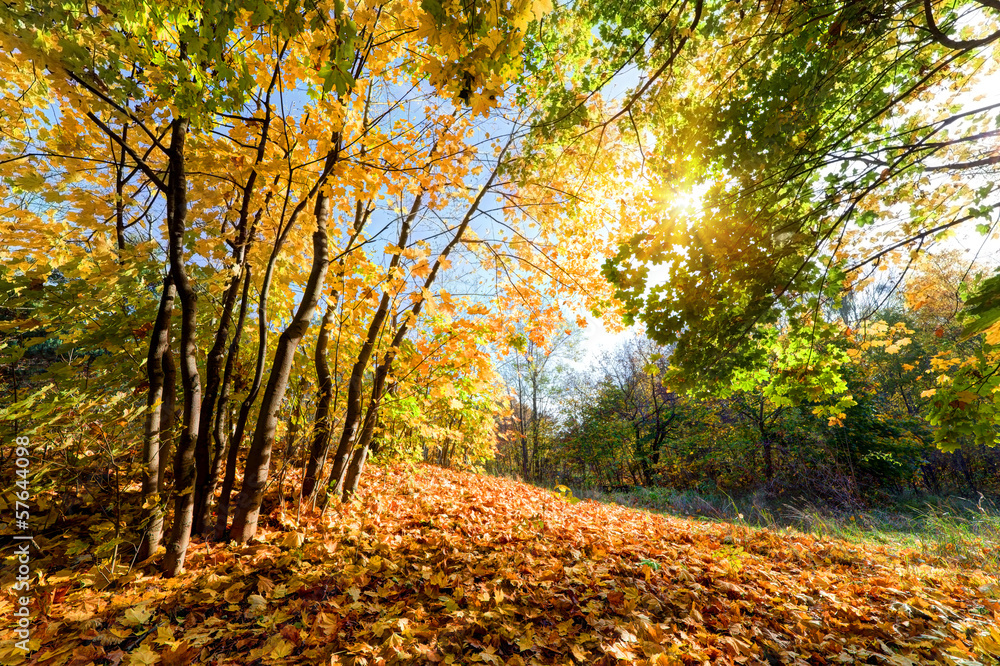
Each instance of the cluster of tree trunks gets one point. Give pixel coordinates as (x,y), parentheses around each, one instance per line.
(207,455)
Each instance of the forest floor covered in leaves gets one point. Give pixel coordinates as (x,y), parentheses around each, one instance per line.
(441,567)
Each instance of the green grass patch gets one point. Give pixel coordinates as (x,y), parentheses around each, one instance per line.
(963,532)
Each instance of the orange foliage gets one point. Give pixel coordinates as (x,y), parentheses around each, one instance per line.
(437,566)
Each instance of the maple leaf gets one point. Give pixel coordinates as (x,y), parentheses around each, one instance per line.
(137,615)
(281,649)
(143,656)
(257,605)
(293,539)
(179,655)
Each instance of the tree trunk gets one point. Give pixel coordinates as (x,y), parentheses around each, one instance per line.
(521,426)
(321,435)
(220,430)
(232,455)
(159,344)
(352,475)
(222,512)
(768,458)
(645,471)
(191,381)
(259,456)
(376,442)
(205,484)
(534,419)
(168,410)
(352,412)
(524,457)
(120,181)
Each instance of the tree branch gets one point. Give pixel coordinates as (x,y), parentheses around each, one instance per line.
(146,169)
(959,44)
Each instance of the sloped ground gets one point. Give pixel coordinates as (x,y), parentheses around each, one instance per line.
(436,566)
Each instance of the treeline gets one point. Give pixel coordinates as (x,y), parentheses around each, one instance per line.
(622,424)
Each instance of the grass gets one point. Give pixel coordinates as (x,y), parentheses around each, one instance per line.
(963,532)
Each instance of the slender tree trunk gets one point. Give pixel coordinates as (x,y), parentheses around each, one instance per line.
(259,456)
(521,427)
(222,512)
(120,194)
(645,473)
(534,420)
(232,453)
(353,409)
(205,484)
(376,442)
(320,446)
(222,413)
(321,435)
(352,474)
(655,455)
(220,428)
(167,432)
(524,456)
(159,344)
(768,458)
(184,458)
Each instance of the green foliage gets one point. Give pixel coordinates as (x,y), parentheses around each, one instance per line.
(336,70)
(797,125)
(983,307)
(879,447)
(801,365)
